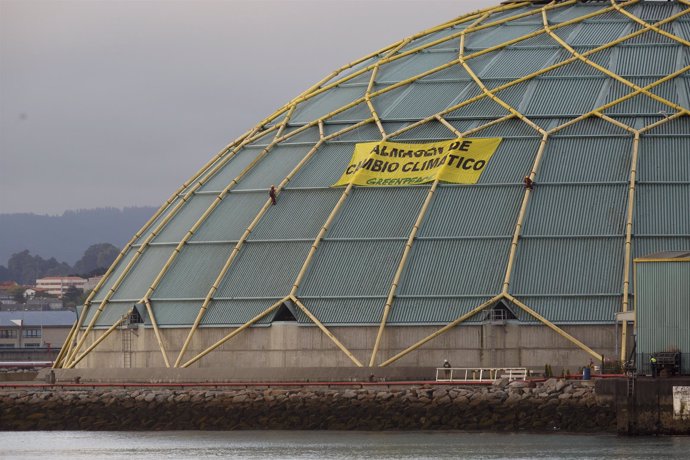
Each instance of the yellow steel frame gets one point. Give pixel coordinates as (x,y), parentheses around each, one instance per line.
(70,356)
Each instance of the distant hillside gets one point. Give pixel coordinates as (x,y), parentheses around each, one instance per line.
(66,237)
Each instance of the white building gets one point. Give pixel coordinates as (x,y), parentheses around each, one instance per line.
(58,285)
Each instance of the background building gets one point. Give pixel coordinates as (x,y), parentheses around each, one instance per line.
(590,101)
(58,285)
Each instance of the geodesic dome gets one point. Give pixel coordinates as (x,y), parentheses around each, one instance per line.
(590,101)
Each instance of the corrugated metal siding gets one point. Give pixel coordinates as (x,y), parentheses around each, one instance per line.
(496,35)
(569,159)
(435,36)
(564,96)
(591,33)
(665,158)
(663,306)
(432,130)
(483,108)
(514,63)
(455,267)
(342,268)
(326,102)
(237,312)
(641,103)
(145,270)
(592,126)
(413,64)
(298,214)
(644,245)
(681,28)
(264,270)
(651,37)
(110,315)
(379,212)
(442,310)
(193,272)
(654,11)
(232,217)
(635,60)
(343,311)
(678,126)
(470,210)
(174,313)
(577,210)
(425,99)
(185,218)
(232,169)
(578,68)
(511,127)
(568,310)
(354,114)
(157,221)
(662,209)
(310,135)
(325,167)
(571,12)
(274,167)
(511,162)
(100,295)
(568,266)
(367,133)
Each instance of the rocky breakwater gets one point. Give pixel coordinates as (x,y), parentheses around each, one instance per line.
(554,405)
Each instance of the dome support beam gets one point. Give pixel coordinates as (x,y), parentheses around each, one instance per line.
(143,247)
(234,333)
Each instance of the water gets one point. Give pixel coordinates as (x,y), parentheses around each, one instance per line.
(274,445)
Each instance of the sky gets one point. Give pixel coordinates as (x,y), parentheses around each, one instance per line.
(117,103)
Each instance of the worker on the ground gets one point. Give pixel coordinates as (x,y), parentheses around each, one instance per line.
(652,363)
(446,365)
(272,194)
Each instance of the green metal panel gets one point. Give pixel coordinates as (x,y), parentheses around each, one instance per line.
(142,275)
(342,268)
(299,214)
(264,269)
(455,267)
(477,206)
(275,167)
(663,306)
(343,311)
(232,169)
(232,217)
(379,212)
(577,210)
(568,266)
(194,271)
(586,160)
(185,219)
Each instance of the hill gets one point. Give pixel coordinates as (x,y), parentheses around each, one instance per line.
(67,236)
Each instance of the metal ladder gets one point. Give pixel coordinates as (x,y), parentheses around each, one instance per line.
(126,347)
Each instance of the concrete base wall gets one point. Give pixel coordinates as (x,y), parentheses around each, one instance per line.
(287,345)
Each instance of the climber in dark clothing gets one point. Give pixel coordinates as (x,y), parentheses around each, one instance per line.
(272,194)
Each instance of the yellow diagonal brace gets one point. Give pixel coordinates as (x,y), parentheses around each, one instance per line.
(156,332)
(443,330)
(234,332)
(555,328)
(98,340)
(325,330)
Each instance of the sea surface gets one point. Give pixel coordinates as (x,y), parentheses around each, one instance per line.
(274,445)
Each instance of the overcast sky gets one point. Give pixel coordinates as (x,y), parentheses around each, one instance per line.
(117,103)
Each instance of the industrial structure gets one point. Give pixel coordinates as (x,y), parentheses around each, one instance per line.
(528,266)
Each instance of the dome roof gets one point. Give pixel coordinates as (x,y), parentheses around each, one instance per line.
(591,102)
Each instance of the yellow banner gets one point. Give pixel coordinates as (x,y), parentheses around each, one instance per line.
(459,161)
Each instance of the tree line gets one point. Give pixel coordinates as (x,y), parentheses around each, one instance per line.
(25,268)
